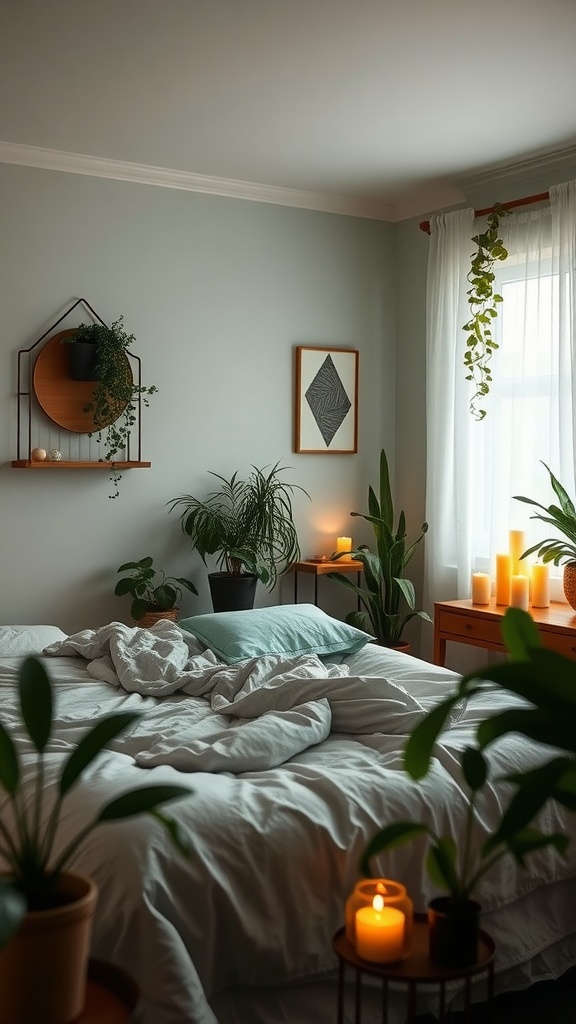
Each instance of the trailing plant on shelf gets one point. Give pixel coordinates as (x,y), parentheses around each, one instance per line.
(115,397)
(387,597)
(34,870)
(151,589)
(484,301)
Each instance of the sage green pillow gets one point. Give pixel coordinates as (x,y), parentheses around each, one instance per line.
(286,629)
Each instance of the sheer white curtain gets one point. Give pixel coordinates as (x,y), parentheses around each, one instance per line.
(475,467)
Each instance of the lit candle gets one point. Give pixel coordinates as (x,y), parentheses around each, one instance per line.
(343,544)
(540,586)
(503,577)
(481,585)
(379,932)
(519,592)
(517,546)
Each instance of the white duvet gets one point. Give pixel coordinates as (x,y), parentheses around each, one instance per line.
(292,767)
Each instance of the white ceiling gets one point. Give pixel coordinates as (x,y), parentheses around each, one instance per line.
(395,104)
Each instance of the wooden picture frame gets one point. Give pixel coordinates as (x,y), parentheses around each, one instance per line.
(326,401)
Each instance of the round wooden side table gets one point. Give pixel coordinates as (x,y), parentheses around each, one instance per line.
(112,996)
(415,971)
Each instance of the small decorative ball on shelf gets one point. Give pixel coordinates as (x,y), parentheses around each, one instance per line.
(55,455)
(38,454)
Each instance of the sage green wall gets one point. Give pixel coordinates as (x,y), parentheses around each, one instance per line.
(218,292)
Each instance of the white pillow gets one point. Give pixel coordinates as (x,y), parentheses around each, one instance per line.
(21,641)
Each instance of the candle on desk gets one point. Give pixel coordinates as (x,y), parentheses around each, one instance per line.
(481,585)
(343,544)
(519,592)
(379,932)
(503,578)
(517,547)
(540,586)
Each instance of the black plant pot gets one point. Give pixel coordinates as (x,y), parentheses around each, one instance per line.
(83,357)
(232,593)
(453,931)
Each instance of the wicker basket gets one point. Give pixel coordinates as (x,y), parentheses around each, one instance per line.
(569,584)
(150,619)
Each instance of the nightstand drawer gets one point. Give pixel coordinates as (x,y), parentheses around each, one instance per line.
(471,629)
(558,642)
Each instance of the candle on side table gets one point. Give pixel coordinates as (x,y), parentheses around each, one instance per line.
(481,586)
(380,932)
(519,592)
(503,578)
(517,547)
(343,544)
(540,586)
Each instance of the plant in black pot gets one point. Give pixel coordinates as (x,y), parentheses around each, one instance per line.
(100,351)
(387,597)
(248,525)
(560,551)
(46,909)
(154,594)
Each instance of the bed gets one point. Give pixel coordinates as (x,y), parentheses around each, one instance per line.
(289,731)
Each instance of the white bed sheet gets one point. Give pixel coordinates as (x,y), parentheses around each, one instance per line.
(241,933)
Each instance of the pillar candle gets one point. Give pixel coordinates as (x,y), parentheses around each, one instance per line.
(519,592)
(481,585)
(540,586)
(517,546)
(503,577)
(379,932)
(343,544)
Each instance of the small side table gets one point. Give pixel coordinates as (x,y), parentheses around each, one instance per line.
(414,971)
(318,569)
(112,996)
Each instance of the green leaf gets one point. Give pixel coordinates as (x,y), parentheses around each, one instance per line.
(474,768)
(175,832)
(535,788)
(387,838)
(138,801)
(519,633)
(530,839)
(9,765)
(441,865)
(36,701)
(91,744)
(13,907)
(418,753)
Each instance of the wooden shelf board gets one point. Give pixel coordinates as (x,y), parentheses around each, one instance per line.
(70,464)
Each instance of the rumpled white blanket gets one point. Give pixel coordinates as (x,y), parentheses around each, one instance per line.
(278,706)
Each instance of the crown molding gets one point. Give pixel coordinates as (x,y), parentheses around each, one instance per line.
(545,162)
(188,181)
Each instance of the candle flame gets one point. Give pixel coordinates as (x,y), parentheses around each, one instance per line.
(378,903)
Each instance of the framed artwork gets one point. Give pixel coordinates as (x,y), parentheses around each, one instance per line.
(326,401)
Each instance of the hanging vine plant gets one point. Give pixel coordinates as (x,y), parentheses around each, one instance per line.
(115,396)
(483,301)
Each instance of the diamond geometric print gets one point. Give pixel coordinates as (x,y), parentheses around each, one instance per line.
(328,401)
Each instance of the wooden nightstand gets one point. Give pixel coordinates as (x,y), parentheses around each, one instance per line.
(480,625)
(318,569)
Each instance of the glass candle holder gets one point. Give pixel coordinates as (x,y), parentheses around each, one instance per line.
(394,894)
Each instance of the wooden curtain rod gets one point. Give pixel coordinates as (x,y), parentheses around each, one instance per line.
(525,201)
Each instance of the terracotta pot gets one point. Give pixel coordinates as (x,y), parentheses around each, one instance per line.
(453,931)
(151,618)
(43,968)
(569,583)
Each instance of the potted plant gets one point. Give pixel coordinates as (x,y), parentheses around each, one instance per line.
(154,594)
(547,680)
(43,958)
(249,526)
(115,397)
(557,550)
(388,598)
